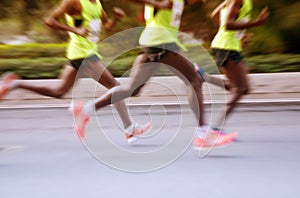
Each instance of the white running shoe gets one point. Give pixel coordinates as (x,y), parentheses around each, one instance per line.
(135,130)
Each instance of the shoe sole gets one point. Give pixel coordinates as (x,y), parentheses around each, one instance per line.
(213,146)
(136,137)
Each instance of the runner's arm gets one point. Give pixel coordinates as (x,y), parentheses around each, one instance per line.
(65,7)
(234,8)
(109,23)
(216,12)
(163,4)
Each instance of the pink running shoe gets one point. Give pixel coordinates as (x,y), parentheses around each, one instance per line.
(7,79)
(233,135)
(80,119)
(136,130)
(212,139)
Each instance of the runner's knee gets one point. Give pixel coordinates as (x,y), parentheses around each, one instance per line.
(126,90)
(243,90)
(137,90)
(111,84)
(58,93)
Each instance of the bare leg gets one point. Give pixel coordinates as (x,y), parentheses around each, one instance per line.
(237,74)
(216,81)
(68,77)
(102,75)
(187,71)
(140,74)
(212,79)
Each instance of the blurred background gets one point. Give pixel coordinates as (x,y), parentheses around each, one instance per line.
(32,50)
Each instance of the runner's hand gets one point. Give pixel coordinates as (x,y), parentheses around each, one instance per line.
(81,32)
(263,16)
(118,13)
(246,38)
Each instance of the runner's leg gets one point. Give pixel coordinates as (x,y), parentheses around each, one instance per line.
(237,75)
(216,81)
(102,75)
(67,77)
(140,74)
(187,71)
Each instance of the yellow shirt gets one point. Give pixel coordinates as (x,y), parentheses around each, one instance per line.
(82,47)
(228,39)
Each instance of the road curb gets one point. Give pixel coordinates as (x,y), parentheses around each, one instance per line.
(243,103)
(275,88)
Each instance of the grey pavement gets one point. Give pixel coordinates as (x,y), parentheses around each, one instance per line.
(40,156)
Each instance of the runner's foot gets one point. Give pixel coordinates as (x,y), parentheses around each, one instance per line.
(212,139)
(135,130)
(8,78)
(233,135)
(80,119)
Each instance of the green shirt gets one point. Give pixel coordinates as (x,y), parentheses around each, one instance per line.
(228,39)
(162,27)
(82,47)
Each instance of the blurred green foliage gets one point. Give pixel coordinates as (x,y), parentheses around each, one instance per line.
(42,60)
(33,61)
(279,35)
(32,50)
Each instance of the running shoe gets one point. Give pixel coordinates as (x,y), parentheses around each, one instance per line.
(212,139)
(233,135)
(136,130)
(80,119)
(7,79)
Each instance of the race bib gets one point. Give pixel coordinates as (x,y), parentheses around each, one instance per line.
(94,30)
(148,12)
(239,35)
(176,13)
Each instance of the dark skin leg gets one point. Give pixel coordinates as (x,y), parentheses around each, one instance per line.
(142,72)
(68,77)
(101,74)
(217,81)
(186,70)
(95,70)
(237,75)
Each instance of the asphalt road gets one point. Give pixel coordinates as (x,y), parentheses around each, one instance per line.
(40,156)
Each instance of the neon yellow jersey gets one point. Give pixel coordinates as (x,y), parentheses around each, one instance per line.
(82,47)
(162,27)
(227,39)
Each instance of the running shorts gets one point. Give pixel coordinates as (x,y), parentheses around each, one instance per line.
(79,62)
(222,56)
(155,53)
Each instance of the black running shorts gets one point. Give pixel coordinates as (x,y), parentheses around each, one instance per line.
(79,62)
(155,53)
(222,56)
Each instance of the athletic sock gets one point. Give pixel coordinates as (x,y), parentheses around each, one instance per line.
(202,131)
(89,108)
(13,84)
(130,129)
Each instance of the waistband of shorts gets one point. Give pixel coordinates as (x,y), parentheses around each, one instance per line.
(166,46)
